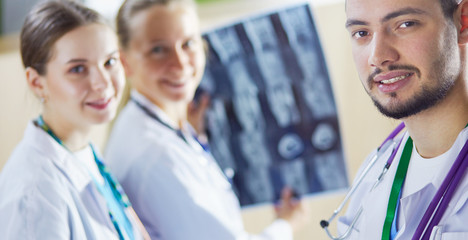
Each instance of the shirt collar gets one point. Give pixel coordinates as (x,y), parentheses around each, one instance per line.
(60,157)
(451,155)
(153,108)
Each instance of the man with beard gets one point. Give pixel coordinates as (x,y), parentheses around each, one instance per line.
(411,57)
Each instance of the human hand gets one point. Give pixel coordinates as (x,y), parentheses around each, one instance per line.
(291,209)
(196,113)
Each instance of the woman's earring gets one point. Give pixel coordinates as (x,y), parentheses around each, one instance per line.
(42,100)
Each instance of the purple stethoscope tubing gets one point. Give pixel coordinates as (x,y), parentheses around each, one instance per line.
(444,194)
(439,203)
(393,134)
(390,137)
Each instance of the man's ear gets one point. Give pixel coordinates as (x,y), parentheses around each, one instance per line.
(126,66)
(462,12)
(36,83)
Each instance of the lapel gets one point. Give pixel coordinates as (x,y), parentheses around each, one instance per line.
(62,159)
(376,202)
(84,194)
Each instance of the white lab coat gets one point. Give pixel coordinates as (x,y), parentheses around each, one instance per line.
(177,189)
(46,194)
(453,224)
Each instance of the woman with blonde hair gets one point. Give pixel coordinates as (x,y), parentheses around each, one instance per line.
(176,186)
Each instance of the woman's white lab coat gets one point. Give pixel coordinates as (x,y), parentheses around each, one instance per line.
(453,224)
(177,189)
(46,194)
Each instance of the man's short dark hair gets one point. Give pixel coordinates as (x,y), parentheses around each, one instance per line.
(449,7)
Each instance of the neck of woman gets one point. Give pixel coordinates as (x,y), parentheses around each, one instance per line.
(177,112)
(73,137)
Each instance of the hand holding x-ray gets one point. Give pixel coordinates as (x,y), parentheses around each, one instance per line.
(291,209)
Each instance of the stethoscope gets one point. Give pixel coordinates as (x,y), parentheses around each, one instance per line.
(178,132)
(229,173)
(438,205)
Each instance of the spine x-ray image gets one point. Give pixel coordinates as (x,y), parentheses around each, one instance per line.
(273,120)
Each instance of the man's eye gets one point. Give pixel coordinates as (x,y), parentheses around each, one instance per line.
(360,34)
(407,24)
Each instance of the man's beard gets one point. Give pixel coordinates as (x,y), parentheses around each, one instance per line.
(427,97)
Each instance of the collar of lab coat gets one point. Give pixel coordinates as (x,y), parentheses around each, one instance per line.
(413,207)
(451,155)
(153,108)
(187,130)
(61,157)
(375,203)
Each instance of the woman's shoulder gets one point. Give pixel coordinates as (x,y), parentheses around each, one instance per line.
(35,171)
(29,200)
(29,183)
(28,170)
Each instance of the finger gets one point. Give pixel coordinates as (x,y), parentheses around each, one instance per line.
(286,194)
(191,106)
(204,102)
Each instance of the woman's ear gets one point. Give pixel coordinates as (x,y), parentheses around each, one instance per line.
(36,83)
(462,12)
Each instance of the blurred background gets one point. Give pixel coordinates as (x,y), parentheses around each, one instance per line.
(362,127)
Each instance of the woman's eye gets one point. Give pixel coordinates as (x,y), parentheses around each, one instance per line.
(189,44)
(110,62)
(78,69)
(157,49)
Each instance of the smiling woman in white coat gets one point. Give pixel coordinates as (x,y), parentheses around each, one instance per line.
(177,188)
(54,185)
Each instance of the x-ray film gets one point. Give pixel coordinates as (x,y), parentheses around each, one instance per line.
(273,120)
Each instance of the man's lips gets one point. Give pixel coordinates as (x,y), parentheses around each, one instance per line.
(392,77)
(392,81)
